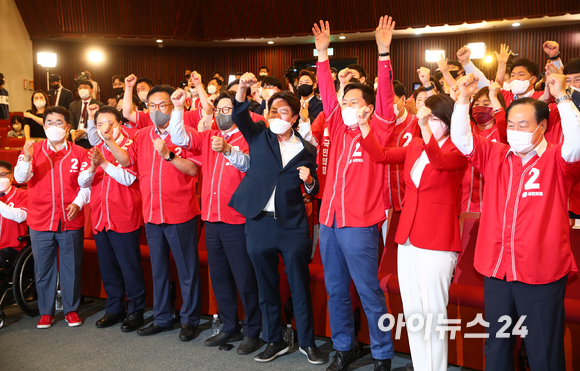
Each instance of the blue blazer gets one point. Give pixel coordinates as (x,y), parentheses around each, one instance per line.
(266,173)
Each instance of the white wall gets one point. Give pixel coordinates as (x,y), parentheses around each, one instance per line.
(16,58)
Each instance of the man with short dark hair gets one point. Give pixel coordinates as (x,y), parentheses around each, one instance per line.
(51,168)
(264,71)
(13,212)
(4,101)
(79,113)
(170,210)
(117,220)
(306,87)
(269,86)
(358,72)
(142,87)
(118,90)
(58,95)
(523,245)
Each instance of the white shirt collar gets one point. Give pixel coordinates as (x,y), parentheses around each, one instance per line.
(49,145)
(164,134)
(230,133)
(306,100)
(527,95)
(119,140)
(293,139)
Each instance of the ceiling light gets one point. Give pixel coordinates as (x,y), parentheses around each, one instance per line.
(159,40)
(270,42)
(516,24)
(342,37)
(418,32)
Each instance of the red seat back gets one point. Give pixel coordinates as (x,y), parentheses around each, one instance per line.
(15,142)
(388,263)
(465,272)
(4,123)
(10,155)
(3,136)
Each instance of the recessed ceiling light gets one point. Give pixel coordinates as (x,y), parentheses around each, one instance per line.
(159,40)
(418,32)
(342,37)
(270,42)
(516,24)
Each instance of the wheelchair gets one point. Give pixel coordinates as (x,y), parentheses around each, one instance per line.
(18,281)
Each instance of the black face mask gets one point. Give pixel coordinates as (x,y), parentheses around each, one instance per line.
(2,81)
(123,119)
(118,91)
(305,90)
(454,74)
(55,86)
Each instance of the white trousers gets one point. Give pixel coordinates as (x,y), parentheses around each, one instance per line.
(424,279)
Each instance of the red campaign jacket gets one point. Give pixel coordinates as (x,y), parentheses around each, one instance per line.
(167,194)
(353,193)
(394,190)
(429,217)
(114,206)
(473,182)
(9,229)
(220,179)
(523,235)
(322,136)
(54,186)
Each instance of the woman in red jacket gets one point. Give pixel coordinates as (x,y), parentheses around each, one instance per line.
(428,232)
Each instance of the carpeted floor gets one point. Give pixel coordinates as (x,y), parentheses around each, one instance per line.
(61,348)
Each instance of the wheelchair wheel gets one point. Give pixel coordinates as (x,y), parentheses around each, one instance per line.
(24,286)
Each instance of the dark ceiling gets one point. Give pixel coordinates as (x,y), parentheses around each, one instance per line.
(197,20)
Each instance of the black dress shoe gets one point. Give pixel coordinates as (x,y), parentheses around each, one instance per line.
(272,351)
(221,339)
(382,364)
(186,333)
(342,360)
(313,354)
(249,345)
(109,320)
(152,330)
(133,321)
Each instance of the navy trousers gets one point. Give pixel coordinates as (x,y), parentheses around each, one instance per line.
(120,262)
(69,247)
(353,254)
(266,240)
(181,241)
(231,267)
(543,306)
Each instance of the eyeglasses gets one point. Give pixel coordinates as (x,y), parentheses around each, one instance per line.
(58,123)
(224,110)
(160,106)
(103,123)
(5,175)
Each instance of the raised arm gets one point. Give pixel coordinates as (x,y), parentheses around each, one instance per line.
(325,84)
(463,56)
(552,49)
(461,134)
(205,105)
(424,76)
(128,98)
(570,118)
(118,153)
(502,59)
(442,64)
(92,134)
(378,153)
(241,115)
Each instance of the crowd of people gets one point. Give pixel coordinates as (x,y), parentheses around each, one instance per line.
(507,146)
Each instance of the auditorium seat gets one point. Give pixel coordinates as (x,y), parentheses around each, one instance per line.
(3,136)
(14,142)
(4,123)
(10,155)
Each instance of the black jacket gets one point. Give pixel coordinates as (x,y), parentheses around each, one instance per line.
(266,173)
(66,97)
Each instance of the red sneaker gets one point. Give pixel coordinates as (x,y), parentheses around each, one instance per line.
(73,319)
(45,321)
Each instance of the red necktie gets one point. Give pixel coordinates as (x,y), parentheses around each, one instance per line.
(84,111)
(54,98)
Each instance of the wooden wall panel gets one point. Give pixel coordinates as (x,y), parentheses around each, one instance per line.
(167,65)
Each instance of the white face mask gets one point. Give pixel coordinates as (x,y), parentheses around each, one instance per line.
(5,184)
(211,89)
(349,117)
(279,126)
(376,85)
(521,141)
(438,129)
(143,95)
(193,92)
(84,93)
(507,86)
(55,134)
(267,94)
(396,108)
(263,73)
(519,87)
(116,132)
(39,104)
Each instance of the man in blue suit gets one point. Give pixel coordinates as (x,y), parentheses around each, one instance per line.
(270,197)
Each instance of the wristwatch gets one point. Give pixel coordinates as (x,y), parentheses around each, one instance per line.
(171,156)
(563,98)
(385,54)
